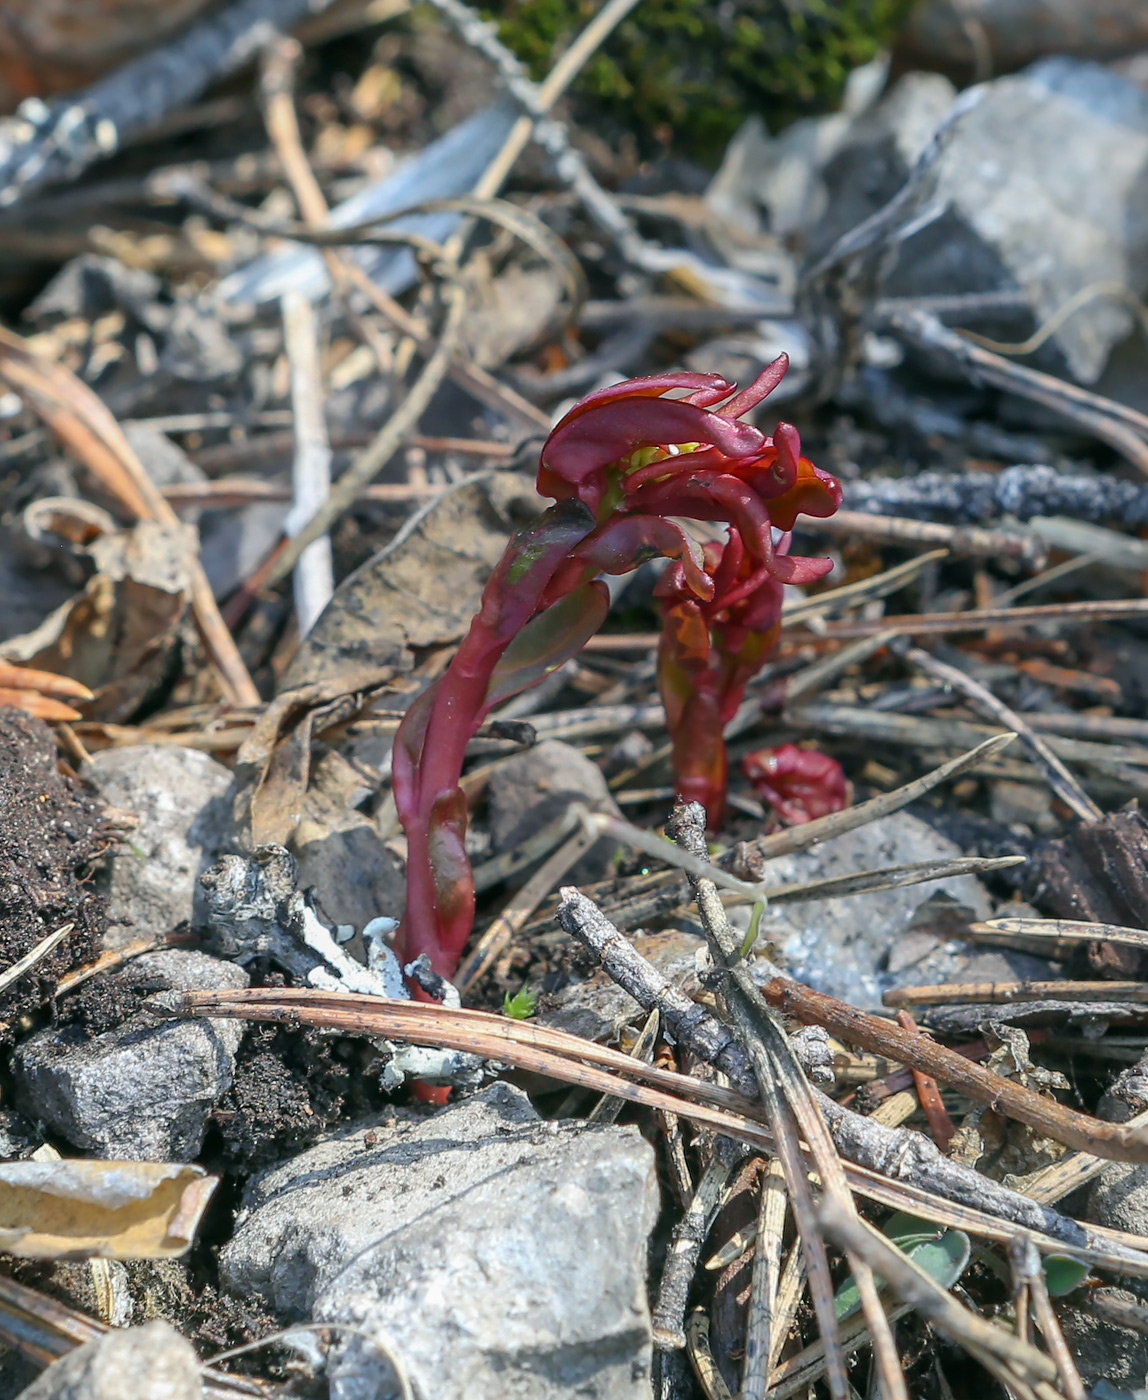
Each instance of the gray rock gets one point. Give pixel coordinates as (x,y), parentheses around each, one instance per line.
(144,1090)
(843,946)
(180,798)
(1007,189)
(152,1362)
(537,786)
(872,161)
(496,1255)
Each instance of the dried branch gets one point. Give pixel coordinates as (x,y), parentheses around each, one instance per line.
(682,1257)
(1022,492)
(1121,427)
(907,1157)
(1118,1142)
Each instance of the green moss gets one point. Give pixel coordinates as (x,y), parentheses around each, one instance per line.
(690,71)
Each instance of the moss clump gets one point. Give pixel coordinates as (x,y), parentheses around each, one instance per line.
(690,71)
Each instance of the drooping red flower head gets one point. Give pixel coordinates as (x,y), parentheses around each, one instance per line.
(632,450)
(799,784)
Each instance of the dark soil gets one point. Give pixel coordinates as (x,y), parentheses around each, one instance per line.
(52,832)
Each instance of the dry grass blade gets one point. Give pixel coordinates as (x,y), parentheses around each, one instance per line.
(33,956)
(892,877)
(601,1070)
(1013,1362)
(51,711)
(791,1110)
(1007,993)
(761,1314)
(45,682)
(1054,938)
(85,426)
(1060,779)
(981,619)
(1118,1142)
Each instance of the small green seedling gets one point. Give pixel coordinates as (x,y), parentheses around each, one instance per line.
(521,1006)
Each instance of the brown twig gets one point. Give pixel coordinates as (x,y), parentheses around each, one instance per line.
(1116,1141)
(1007,993)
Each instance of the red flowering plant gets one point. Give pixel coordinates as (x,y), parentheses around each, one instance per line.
(623,467)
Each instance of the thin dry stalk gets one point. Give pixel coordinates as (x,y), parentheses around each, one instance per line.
(1028,1276)
(964,540)
(702,1358)
(33,956)
(1118,1142)
(867,590)
(314,580)
(766,1277)
(1060,779)
(793,1113)
(386,442)
(1012,1361)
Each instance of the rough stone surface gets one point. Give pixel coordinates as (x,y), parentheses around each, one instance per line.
(152,1362)
(144,1090)
(179,796)
(1009,183)
(498,1255)
(843,946)
(535,787)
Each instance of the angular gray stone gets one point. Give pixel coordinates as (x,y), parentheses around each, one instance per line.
(1042,186)
(842,946)
(144,1090)
(180,798)
(496,1254)
(152,1362)
(537,786)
